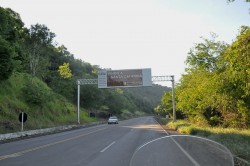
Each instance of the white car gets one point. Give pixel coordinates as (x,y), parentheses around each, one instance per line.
(113,119)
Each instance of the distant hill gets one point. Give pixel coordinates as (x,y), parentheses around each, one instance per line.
(149,95)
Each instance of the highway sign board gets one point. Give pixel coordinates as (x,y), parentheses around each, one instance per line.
(124,78)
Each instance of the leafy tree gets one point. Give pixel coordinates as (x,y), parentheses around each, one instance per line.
(33,51)
(236,80)
(65,71)
(166,106)
(11,26)
(41,34)
(237,60)
(216,90)
(6,63)
(205,56)
(198,91)
(11,29)
(39,40)
(81,69)
(197,96)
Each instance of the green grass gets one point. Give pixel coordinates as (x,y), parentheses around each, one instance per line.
(236,140)
(54,110)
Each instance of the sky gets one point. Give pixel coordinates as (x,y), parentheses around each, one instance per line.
(134,34)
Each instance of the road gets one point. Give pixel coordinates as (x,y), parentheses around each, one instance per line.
(108,145)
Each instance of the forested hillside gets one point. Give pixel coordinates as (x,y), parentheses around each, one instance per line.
(39,77)
(216,87)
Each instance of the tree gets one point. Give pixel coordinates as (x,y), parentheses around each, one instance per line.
(235,80)
(39,42)
(11,29)
(6,63)
(65,71)
(237,60)
(166,106)
(11,25)
(216,88)
(197,96)
(197,91)
(205,56)
(41,34)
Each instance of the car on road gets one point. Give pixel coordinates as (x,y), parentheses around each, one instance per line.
(113,120)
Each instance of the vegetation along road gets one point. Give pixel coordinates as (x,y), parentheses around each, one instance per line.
(38,77)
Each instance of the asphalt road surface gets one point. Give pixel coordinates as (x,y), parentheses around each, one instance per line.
(107,145)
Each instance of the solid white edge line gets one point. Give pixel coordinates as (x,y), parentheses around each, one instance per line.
(186,153)
(180,147)
(107,147)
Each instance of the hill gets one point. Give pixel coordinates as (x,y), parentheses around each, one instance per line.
(39,77)
(45,108)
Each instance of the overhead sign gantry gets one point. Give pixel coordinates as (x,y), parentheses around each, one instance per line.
(124,78)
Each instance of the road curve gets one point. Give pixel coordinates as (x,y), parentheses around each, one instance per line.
(134,142)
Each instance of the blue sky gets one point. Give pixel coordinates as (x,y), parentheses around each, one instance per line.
(132,34)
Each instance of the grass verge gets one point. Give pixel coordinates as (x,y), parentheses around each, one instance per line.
(236,140)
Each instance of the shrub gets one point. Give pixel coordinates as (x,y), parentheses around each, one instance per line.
(36,92)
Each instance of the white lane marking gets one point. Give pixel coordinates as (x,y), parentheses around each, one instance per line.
(171,137)
(103,150)
(47,145)
(185,152)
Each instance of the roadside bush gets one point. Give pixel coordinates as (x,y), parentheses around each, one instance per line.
(36,92)
(237,140)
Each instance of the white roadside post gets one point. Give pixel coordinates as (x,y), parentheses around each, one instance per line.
(78,102)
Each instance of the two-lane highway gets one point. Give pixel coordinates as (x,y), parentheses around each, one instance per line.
(135,142)
(99,145)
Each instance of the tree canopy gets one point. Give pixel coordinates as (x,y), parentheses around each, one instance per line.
(11,29)
(33,51)
(216,87)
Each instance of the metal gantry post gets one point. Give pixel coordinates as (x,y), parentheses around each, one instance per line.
(79,83)
(78,102)
(163,79)
(173,99)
